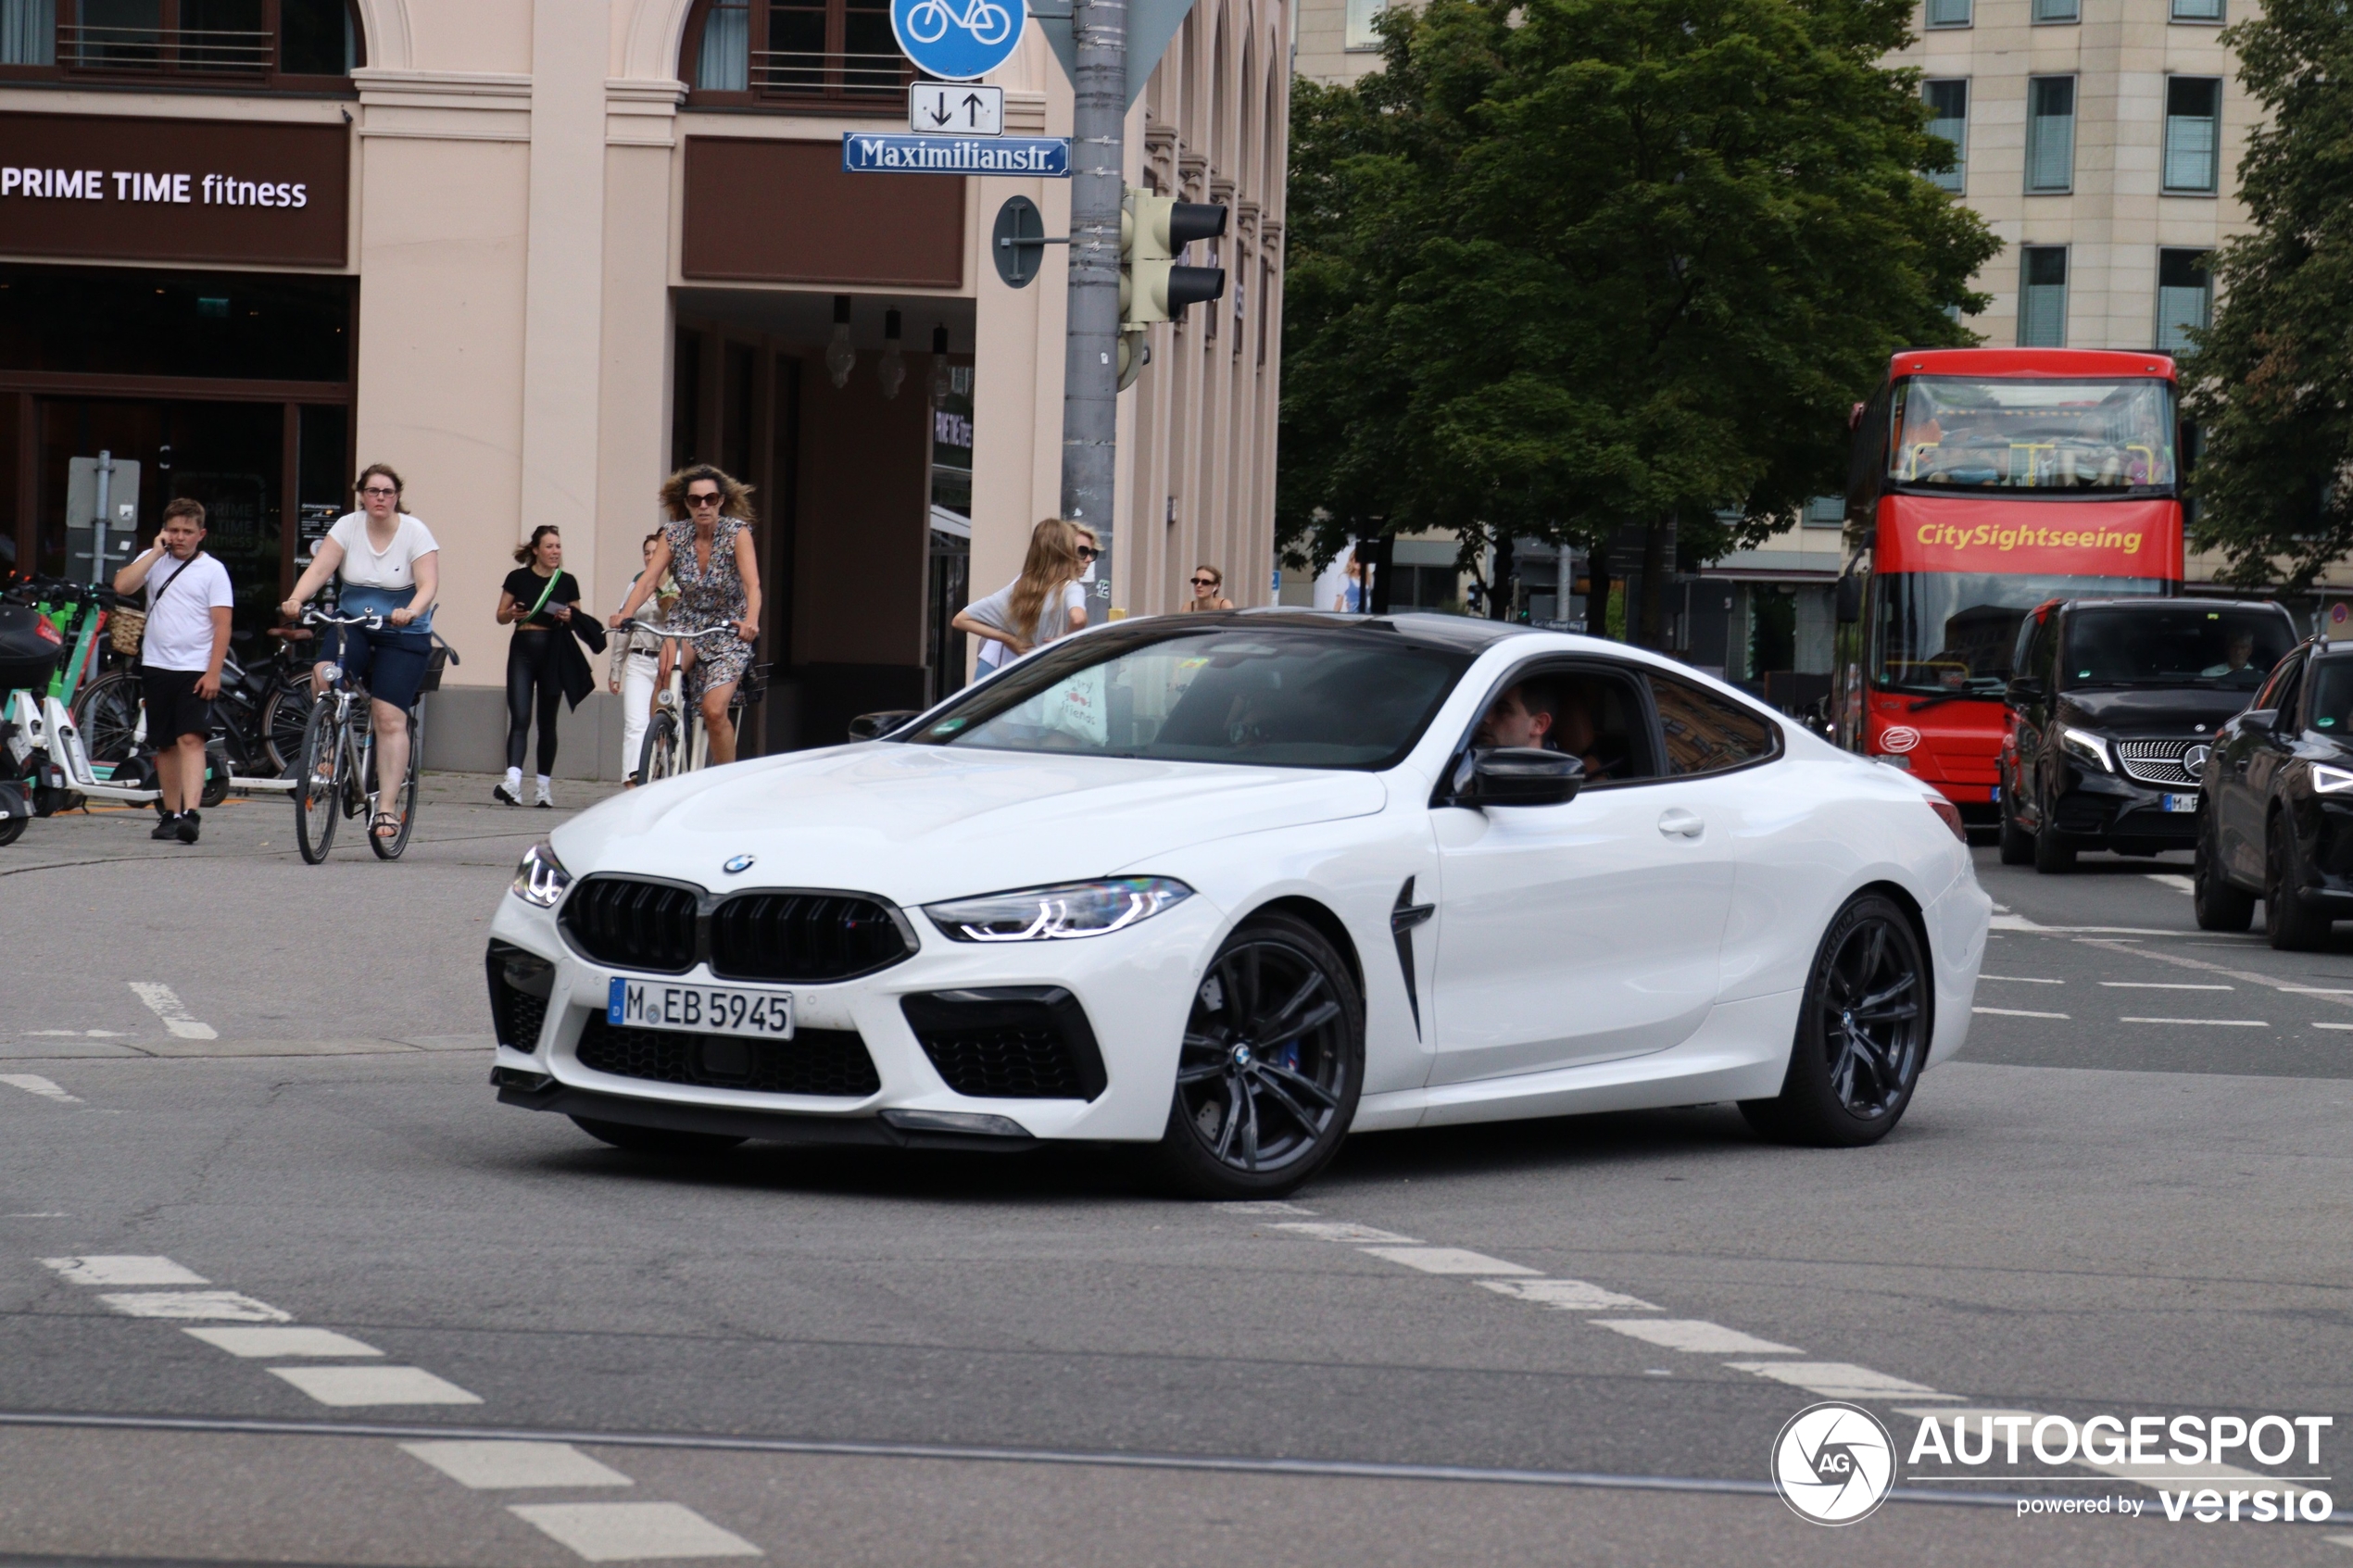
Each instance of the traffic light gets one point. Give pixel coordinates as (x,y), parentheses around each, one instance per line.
(1152,232)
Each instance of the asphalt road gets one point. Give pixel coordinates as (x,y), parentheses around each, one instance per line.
(230,1073)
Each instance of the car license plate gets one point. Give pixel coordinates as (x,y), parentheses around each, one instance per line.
(700,1010)
(2177,802)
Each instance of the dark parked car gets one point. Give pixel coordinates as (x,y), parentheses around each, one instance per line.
(2114,708)
(2278,819)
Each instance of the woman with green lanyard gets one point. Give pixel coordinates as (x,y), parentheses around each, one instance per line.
(536,599)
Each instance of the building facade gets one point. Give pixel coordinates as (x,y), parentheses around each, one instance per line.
(536,253)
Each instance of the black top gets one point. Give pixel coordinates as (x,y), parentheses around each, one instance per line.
(526,586)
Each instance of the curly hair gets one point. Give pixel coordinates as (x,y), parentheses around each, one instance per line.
(734,494)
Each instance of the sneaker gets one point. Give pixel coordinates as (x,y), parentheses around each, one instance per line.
(166,826)
(546,797)
(501,793)
(187,826)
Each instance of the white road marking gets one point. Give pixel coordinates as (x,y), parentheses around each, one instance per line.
(1268,1205)
(33,1083)
(492,1466)
(253,1343)
(2338,1540)
(1340,1230)
(72,1035)
(2016,1013)
(631,1532)
(123,1269)
(374,1386)
(1695,1334)
(2173,880)
(2317,991)
(165,1004)
(2021,980)
(1840,1380)
(2208,1023)
(1568,1295)
(2160,985)
(224,1305)
(1446,1260)
(2333,1026)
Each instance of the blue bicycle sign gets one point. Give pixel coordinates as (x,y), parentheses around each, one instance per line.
(958,40)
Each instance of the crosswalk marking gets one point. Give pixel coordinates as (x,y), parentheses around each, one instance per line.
(1568,1295)
(633,1532)
(221,1305)
(256,1344)
(374,1386)
(123,1269)
(499,1464)
(1695,1334)
(1446,1260)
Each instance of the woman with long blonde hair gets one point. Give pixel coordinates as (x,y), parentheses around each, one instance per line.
(1045,602)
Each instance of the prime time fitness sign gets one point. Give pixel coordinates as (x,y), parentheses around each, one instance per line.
(107,187)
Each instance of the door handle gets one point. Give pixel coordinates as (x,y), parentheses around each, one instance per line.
(1680,823)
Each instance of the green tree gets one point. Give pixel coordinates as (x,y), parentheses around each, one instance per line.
(2271,381)
(1566,264)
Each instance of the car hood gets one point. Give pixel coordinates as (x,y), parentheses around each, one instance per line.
(2170,709)
(919,823)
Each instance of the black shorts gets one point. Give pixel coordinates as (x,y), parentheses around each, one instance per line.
(173,707)
(391,662)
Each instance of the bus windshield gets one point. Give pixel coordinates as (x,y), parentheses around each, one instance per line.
(2037,435)
(1953,633)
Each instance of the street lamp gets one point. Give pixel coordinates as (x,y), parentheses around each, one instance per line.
(894,367)
(841,358)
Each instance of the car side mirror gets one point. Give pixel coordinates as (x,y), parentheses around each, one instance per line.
(873,726)
(1850,600)
(2023,689)
(1516,775)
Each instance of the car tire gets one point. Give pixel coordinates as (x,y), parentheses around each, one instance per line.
(660,1141)
(2293,925)
(2053,854)
(1270,1066)
(2214,902)
(2017,845)
(1844,1088)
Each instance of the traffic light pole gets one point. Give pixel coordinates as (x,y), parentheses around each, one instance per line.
(1091,368)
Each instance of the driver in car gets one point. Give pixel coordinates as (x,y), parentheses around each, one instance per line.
(1532,714)
(2238,662)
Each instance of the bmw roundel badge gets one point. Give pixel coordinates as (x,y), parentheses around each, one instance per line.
(740,864)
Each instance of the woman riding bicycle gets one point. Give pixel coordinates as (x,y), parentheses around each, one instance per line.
(390,566)
(707,549)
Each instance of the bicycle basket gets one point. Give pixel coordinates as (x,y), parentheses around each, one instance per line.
(124,628)
(752,686)
(435,662)
(30,649)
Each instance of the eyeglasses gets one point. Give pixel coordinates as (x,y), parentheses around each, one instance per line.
(1204,582)
(378,490)
(1088,552)
(699,501)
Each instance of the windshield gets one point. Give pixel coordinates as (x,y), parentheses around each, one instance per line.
(2035,435)
(1954,632)
(2183,646)
(1274,695)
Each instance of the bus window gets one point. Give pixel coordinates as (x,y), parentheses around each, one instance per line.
(2034,434)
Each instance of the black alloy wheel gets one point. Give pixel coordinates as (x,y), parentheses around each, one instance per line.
(1272,1061)
(2017,845)
(2215,903)
(2053,853)
(1862,1033)
(657,1141)
(2292,924)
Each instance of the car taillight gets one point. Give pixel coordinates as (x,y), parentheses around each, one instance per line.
(1950,815)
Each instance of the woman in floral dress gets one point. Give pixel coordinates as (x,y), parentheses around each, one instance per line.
(707,549)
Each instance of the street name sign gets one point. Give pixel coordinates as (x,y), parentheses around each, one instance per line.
(1038,157)
(952,108)
(958,39)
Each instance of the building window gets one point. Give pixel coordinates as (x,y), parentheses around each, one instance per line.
(1825,511)
(1948,13)
(300,45)
(2192,132)
(2185,296)
(2197,10)
(1361,13)
(1949,118)
(2050,133)
(812,53)
(2042,296)
(2048,11)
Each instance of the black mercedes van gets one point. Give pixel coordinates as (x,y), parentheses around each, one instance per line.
(2112,713)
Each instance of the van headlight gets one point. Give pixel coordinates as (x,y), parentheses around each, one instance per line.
(540,878)
(2330,780)
(2085,746)
(1056,913)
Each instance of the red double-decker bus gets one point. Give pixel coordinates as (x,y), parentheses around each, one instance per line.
(1986,481)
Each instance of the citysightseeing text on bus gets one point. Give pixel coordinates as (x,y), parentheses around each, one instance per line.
(1986,535)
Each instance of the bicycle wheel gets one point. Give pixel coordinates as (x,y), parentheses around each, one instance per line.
(284,719)
(108,713)
(658,758)
(215,776)
(402,803)
(318,799)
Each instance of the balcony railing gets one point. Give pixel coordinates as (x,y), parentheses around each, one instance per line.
(839,78)
(154,50)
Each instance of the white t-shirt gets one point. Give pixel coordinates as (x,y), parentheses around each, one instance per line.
(179,623)
(364,567)
(997,609)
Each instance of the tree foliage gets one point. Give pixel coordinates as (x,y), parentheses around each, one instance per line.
(2271,381)
(1566,264)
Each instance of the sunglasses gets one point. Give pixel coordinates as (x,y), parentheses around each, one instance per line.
(1088,552)
(1204,582)
(710,500)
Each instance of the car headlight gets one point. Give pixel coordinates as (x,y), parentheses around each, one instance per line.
(1064,910)
(2085,746)
(2330,780)
(540,878)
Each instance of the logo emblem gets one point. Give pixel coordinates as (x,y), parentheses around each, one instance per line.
(740,864)
(958,39)
(1833,1463)
(2194,759)
(1898,738)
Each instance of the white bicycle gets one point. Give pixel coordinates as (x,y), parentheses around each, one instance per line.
(675,740)
(928,20)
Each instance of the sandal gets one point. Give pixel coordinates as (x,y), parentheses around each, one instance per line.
(385,825)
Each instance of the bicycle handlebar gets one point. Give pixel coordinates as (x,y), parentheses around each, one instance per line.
(678,632)
(371,620)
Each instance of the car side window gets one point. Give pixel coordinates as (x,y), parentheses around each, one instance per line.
(2280,690)
(1585,711)
(1707,733)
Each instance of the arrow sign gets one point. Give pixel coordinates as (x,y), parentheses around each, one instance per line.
(951,108)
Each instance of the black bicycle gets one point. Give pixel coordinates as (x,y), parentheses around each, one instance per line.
(338,761)
(258,721)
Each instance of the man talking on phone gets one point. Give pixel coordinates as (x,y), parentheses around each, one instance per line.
(189,602)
